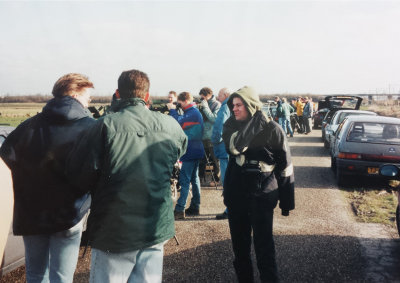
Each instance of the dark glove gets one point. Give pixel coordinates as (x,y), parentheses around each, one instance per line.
(285,212)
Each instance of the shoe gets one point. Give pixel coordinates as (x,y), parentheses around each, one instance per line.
(179,215)
(192,211)
(214,184)
(291,136)
(221,216)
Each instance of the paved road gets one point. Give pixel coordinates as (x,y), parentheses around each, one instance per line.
(319,242)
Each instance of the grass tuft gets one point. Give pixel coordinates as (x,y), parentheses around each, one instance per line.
(374,206)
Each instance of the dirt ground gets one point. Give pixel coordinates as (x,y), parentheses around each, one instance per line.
(319,242)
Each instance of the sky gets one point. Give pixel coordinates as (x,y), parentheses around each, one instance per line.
(286,47)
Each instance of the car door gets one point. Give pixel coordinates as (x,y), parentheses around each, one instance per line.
(14,252)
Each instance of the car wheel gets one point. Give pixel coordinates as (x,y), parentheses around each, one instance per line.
(398,218)
(333,164)
(341,178)
(326,144)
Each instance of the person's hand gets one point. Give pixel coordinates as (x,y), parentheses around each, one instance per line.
(285,212)
(171,106)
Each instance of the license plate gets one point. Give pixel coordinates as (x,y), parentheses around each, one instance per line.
(373,170)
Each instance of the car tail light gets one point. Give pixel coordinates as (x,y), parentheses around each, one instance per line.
(370,157)
(345,155)
(378,157)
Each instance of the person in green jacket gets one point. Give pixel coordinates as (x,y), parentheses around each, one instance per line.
(286,109)
(126,159)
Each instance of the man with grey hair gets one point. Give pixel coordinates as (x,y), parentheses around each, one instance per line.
(216,138)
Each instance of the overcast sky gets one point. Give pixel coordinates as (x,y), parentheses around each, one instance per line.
(318,47)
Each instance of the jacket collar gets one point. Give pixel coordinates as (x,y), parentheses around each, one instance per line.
(193,104)
(65,108)
(130,102)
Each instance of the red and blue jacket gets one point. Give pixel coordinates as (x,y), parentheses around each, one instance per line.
(192,124)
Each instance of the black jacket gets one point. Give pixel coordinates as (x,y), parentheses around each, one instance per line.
(257,140)
(36,151)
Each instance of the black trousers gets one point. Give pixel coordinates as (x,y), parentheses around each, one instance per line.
(301,124)
(255,214)
(209,153)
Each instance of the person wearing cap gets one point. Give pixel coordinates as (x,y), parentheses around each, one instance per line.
(258,176)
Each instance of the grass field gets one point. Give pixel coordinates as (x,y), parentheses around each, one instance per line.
(14,113)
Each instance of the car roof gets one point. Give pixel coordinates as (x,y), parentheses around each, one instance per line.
(354,111)
(370,118)
(6,130)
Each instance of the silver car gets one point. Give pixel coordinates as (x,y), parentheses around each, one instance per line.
(364,143)
(338,118)
(14,253)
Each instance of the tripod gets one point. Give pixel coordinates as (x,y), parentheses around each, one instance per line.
(211,166)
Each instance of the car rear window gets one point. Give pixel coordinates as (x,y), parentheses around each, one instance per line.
(374,133)
(344,102)
(345,114)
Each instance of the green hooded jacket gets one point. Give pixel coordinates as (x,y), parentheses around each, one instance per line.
(126,159)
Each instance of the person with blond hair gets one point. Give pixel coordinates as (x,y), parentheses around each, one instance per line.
(48,209)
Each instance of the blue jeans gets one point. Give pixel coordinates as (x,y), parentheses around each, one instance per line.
(52,257)
(189,175)
(223,164)
(285,124)
(143,265)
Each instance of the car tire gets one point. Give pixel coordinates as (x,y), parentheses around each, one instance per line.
(333,164)
(398,218)
(326,144)
(341,179)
